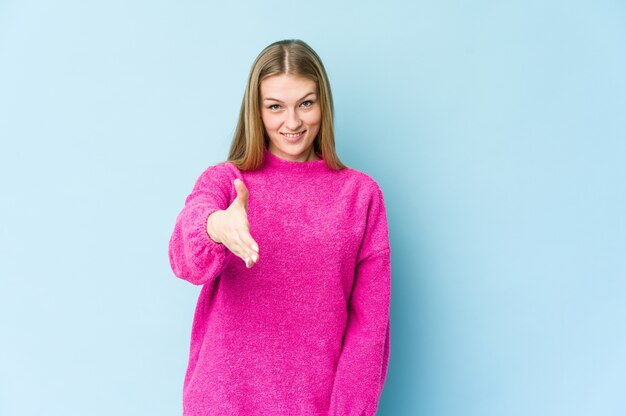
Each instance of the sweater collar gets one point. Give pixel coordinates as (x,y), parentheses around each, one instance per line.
(275,162)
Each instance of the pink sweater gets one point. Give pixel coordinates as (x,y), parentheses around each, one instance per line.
(305,331)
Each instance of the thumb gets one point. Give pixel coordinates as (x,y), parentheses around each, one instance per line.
(242,192)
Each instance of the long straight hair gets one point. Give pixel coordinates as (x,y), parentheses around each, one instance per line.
(291,57)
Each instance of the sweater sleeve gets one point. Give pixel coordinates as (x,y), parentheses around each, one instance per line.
(362,366)
(193,255)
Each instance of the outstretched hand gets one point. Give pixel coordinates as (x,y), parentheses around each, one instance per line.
(231,227)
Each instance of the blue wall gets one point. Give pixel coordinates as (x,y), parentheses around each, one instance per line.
(495,129)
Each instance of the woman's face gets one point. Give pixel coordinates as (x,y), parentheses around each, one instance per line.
(289,104)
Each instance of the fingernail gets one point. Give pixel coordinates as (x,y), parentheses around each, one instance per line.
(255,247)
(254,257)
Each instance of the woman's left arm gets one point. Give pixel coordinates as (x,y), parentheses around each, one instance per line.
(362,366)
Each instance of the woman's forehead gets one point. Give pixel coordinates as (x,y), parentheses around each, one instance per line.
(287,86)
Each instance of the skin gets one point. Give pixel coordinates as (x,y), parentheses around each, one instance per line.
(231,227)
(289,104)
(285,109)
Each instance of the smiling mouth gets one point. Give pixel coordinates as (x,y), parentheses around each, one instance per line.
(293,135)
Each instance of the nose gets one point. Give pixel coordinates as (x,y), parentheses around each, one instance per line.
(293,122)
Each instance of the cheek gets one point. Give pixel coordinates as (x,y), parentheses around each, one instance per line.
(314,117)
(270,122)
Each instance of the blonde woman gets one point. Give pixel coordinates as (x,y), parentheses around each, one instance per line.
(292,251)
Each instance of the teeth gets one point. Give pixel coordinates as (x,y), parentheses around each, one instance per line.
(293,135)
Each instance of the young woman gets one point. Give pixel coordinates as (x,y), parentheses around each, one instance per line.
(292,251)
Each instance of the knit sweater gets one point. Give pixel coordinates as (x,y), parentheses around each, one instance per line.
(306,330)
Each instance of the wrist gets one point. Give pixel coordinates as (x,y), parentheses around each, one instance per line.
(211,226)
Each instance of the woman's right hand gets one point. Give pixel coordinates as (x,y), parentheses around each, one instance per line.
(231,228)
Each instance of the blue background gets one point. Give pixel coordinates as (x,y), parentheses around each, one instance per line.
(495,129)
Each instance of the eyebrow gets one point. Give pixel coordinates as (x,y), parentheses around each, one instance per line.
(274,99)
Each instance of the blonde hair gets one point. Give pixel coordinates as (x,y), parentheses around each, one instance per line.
(292,57)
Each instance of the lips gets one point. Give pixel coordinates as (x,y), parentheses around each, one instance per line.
(293,135)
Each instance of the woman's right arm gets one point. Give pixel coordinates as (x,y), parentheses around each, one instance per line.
(193,255)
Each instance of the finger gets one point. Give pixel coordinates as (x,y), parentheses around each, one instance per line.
(242,193)
(233,242)
(251,244)
(243,250)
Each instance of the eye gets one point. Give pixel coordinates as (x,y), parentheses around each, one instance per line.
(273,105)
(308,101)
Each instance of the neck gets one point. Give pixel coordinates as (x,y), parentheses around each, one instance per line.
(314,163)
(309,156)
